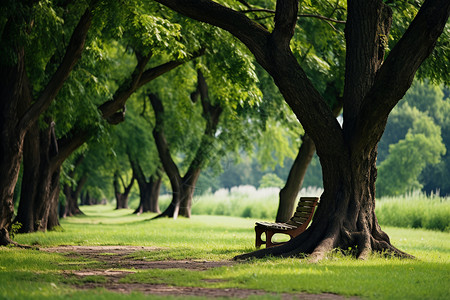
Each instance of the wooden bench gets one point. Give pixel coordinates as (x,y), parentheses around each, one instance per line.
(296,225)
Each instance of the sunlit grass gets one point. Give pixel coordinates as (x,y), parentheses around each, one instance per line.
(31,274)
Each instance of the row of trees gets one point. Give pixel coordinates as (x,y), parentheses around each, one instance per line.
(93,57)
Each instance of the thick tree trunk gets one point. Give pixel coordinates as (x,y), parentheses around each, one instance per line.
(294,182)
(181,203)
(30,177)
(14,96)
(40,187)
(188,189)
(17,116)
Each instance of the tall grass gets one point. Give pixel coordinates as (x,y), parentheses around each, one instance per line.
(414,210)
(243,201)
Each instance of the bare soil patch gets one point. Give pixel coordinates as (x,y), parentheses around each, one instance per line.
(116,258)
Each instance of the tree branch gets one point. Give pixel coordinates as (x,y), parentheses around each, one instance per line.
(397,73)
(252,34)
(68,144)
(320,17)
(285,21)
(109,108)
(272,52)
(169,165)
(71,57)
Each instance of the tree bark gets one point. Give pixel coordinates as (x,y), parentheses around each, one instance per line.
(121,197)
(346,214)
(17,112)
(43,158)
(72,194)
(71,208)
(148,191)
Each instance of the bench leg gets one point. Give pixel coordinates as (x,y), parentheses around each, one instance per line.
(269,235)
(258,241)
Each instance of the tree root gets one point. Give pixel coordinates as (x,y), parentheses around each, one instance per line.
(5,240)
(313,247)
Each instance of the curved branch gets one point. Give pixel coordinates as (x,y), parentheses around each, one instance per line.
(71,57)
(252,34)
(320,17)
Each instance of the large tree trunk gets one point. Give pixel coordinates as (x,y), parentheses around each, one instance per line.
(294,182)
(30,177)
(40,184)
(13,83)
(346,213)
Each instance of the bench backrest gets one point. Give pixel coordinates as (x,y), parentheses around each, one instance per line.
(304,212)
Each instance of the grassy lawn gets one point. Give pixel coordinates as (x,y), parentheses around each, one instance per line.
(32,274)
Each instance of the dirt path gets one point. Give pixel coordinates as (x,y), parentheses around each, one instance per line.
(116,258)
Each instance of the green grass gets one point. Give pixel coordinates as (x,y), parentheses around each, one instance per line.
(31,274)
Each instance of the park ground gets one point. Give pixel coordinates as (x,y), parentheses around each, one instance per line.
(109,254)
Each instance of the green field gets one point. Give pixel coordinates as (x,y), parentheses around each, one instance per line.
(32,274)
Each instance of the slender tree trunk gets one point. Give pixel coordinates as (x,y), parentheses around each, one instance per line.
(71,208)
(289,193)
(121,197)
(183,187)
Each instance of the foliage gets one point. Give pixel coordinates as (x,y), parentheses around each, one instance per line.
(271,180)
(417,137)
(422,145)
